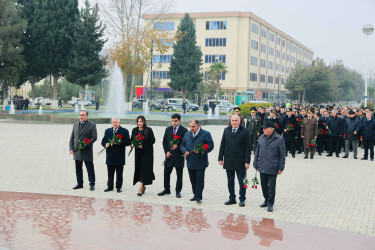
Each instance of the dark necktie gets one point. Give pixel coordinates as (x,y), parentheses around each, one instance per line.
(174,130)
(114,131)
(234,131)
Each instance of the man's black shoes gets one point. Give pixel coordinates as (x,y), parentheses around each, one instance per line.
(78,187)
(345,156)
(230,202)
(270,209)
(264,204)
(119,190)
(92,187)
(193,199)
(199,201)
(242,203)
(108,189)
(178,195)
(164,192)
(306,157)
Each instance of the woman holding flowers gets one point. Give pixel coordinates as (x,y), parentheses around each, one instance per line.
(142,140)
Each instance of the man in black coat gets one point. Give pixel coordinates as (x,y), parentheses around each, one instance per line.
(115,158)
(334,124)
(234,155)
(289,127)
(173,154)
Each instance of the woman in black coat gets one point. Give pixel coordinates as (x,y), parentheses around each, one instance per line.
(144,155)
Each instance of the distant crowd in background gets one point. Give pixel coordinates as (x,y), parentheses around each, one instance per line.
(20,103)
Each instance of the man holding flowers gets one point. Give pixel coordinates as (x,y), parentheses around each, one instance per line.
(173,156)
(115,140)
(309,133)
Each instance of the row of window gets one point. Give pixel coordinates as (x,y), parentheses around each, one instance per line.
(216,42)
(164,26)
(162,58)
(262,78)
(222,75)
(160,74)
(216,25)
(214,58)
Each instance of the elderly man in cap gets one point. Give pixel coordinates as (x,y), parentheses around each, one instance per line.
(352,126)
(269,160)
(253,125)
(237,111)
(309,131)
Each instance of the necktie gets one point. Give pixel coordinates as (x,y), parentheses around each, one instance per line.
(234,131)
(174,130)
(114,131)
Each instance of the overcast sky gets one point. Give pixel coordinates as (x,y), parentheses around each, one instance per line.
(331,28)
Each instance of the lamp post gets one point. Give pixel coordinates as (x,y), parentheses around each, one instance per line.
(278,89)
(368,29)
(152,46)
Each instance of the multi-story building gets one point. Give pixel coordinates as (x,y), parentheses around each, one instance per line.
(259,57)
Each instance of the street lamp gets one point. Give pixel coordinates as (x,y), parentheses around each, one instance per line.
(368,29)
(278,89)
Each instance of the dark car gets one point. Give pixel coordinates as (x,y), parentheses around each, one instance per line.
(138,104)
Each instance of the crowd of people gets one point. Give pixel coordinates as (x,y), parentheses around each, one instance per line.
(20,103)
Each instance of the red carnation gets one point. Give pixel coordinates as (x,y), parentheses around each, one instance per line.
(311,145)
(205,146)
(120,136)
(177,137)
(361,137)
(299,119)
(277,125)
(256,187)
(142,138)
(87,141)
(344,135)
(323,123)
(244,186)
(291,125)
(252,186)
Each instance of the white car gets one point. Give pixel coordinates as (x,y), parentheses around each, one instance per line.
(42,101)
(224,105)
(78,102)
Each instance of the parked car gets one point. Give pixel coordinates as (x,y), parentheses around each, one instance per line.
(224,105)
(176,104)
(42,101)
(78,102)
(192,106)
(138,104)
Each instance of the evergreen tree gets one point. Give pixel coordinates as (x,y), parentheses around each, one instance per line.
(11,60)
(184,71)
(85,66)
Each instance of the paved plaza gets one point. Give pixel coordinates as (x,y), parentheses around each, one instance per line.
(326,192)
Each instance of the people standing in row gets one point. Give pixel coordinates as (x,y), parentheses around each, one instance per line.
(144,155)
(115,153)
(234,156)
(173,155)
(84,129)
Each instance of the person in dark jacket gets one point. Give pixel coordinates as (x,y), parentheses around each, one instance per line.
(368,135)
(351,133)
(334,124)
(289,127)
(273,118)
(237,111)
(197,162)
(234,156)
(144,155)
(184,106)
(269,160)
(174,157)
(115,153)
(205,108)
(253,125)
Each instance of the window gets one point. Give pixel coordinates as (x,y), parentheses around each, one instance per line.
(214,58)
(282,68)
(262,78)
(216,25)
(164,26)
(254,61)
(278,53)
(253,77)
(262,63)
(293,48)
(283,56)
(216,42)
(283,43)
(167,42)
(287,45)
(277,67)
(270,65)
(264,33)
(270,79)
(287,69)
(271,37)
(254,44)
(278,40)
(293,59)
(297,50)
(263,48)
(160,74)
(271,51)
(287,58)
(254,28)
(162,58)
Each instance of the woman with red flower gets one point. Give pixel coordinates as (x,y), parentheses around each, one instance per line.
(115,140)
(144,155)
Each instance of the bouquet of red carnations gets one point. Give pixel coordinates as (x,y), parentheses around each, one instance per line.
(137,141)
(290,126)
(300,121)
(312,143)
(116,139)
(82,145)
(200,148)
(174,141)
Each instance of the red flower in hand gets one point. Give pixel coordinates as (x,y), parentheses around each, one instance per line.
(177,137)
(299,119)
(277,125)
(361,137)
(87,141)
(205,146)
(244,186)
(142,138)
(256,187)
(120,136)
(344,135)
(311,145)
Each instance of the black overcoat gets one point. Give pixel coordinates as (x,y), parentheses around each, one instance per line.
(116,153)
(177,158)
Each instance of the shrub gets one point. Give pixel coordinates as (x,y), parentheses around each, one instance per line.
(370,105)
(245,109)
(101,101)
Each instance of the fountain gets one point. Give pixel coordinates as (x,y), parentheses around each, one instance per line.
(217,112)
(11,110)
(76,108)
(146,109)
(209,113)
(116,96)
(40,110)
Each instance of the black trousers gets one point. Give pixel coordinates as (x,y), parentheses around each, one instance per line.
(299,144)
(167,178)
(290,145)
(111,174)
(90,172)
(334,145)
(197,182)
(268,182)
(320,143)
(240,175)
(368,144)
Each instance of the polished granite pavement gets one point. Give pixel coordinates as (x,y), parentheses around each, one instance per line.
(44,221)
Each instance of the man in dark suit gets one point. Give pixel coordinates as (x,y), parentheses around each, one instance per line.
(84,129)
(173,154)
(115,158)
(334,124)
(196,161)
(290,133)
(234,155)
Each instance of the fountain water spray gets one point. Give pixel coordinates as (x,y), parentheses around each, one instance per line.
(116,96)
(40,110)
(76,108)
(146,109)
(11,110)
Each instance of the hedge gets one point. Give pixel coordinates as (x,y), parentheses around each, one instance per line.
(245,109)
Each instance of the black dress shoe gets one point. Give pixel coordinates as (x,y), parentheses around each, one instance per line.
(270,209)
(311,157)
(199,201)
(193,199)
(364,158)
(108,189)
(355,157)
(164,192)
(92,188)
(345,156)
(320,154)
(329,155)
(78,187)
(264,204)
(372,159)
(178,195)
(230,202)
(306,157)
(242,203)
(293,156)
(119,190)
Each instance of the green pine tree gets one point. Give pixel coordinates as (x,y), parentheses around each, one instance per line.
(85,66)
(11,30)
(185,69)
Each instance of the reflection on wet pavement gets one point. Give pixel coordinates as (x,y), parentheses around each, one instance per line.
(39,221)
